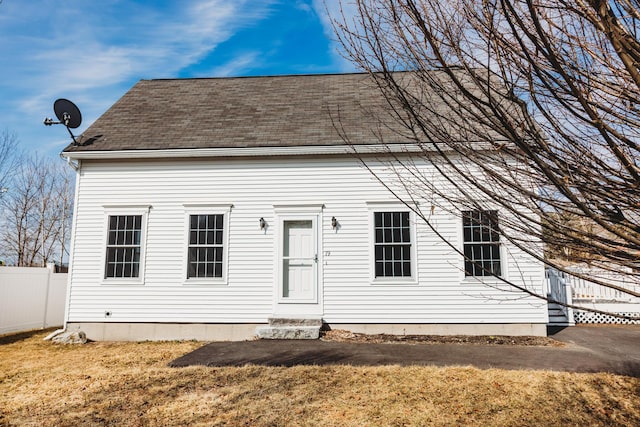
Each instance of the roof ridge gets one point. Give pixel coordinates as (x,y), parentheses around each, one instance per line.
(259,76)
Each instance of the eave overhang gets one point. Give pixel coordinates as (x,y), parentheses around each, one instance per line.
(246,151)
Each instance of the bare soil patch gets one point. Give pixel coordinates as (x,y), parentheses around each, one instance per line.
(339,335)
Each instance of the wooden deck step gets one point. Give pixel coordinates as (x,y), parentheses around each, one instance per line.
(557,316)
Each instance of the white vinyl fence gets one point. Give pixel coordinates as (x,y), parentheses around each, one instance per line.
(31,298)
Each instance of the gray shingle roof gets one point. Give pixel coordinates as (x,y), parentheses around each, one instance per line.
(278,111)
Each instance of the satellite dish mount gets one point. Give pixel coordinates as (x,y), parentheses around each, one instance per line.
(68,115)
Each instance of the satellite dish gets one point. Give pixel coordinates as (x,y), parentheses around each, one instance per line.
(68,114)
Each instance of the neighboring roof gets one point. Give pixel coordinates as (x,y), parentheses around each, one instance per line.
(243,112)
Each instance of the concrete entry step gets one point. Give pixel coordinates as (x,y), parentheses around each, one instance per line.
(288,332)
(295,321)
(291,328)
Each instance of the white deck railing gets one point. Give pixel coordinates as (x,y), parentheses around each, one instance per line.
(585,290)
(584,293)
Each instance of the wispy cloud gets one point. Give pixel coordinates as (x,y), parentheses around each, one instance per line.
(92,52)
(329,10)
(88,58)
(236,66)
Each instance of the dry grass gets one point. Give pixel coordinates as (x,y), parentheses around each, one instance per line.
(130,384)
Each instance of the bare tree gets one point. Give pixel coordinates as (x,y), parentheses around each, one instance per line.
(8,156)
(37,210)
(545,96)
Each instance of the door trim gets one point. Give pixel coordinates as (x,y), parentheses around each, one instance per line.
(304,212)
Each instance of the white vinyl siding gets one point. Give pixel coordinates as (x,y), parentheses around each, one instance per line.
(437,293)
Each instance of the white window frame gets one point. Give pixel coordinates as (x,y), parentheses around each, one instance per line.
(125,210)
(392,207)
(207,209)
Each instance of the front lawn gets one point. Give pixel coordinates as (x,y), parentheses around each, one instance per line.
(130,384)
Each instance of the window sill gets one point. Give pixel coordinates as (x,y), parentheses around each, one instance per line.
(484,279)
(205,282)
(124,282)
(394,281)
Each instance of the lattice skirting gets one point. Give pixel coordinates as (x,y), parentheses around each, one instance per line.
(589,317)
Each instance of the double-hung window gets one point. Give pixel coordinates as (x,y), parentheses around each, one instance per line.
(481,243)
(392,244)
(124,246)
(206,246)
(207,228)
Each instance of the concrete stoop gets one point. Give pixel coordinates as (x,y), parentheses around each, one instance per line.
(281,328)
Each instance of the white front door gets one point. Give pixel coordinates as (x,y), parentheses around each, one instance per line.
(299,261)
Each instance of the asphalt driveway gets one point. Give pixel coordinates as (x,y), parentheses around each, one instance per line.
(611,348)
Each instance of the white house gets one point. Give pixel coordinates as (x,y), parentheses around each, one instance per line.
(207,207)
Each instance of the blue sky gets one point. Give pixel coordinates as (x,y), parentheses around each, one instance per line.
(92,52)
